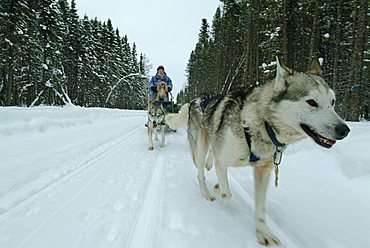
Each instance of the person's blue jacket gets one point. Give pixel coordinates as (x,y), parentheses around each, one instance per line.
(153,84)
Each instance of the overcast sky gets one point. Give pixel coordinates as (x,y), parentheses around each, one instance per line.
(165,30)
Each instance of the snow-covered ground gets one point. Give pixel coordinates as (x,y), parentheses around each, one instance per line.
(77,177)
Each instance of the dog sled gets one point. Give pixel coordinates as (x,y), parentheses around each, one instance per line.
(169,106)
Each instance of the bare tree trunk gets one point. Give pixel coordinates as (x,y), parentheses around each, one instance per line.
(252,63)
(10,82)
(356,80)
(337,41)
(285,29)
(314,31)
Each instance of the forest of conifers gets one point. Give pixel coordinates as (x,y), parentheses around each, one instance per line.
(240,45)
(50,56)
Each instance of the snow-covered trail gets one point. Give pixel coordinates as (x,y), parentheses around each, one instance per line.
(92,183)
(94,178)
(105,189)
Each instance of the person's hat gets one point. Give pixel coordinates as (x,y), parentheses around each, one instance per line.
(160,67)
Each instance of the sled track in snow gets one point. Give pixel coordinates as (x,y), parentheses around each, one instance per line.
(102,151)
(147,216)
(86,186)
(286,240)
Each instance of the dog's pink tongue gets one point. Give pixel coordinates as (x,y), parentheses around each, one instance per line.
(327,141)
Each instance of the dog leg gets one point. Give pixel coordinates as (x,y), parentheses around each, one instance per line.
(261,178)
(209,161)
(150,138)
(163,143)
(199,156)
(199,147)
(223,186)
(202,184)
(199,161)
(156,134)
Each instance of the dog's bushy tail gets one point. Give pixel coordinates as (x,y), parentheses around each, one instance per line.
(180,119)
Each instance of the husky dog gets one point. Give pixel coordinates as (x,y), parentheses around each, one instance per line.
(253,127)
(156,114)
(160,96)
(156,120)
(162,89)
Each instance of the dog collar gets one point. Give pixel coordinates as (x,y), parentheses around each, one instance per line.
(272,135)
(280,147)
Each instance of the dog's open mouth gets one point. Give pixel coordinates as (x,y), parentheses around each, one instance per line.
(321,140)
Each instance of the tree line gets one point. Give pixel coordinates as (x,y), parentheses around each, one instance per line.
(240,45)
(51,56)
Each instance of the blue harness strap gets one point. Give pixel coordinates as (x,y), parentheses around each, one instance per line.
(252,156)
(272,135)
(279,146)
(206,98)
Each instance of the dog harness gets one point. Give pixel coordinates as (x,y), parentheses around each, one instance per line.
(248,137)
(280,147)
(206,98)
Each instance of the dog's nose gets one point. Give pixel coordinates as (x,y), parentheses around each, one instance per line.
(342,130)
(154,122)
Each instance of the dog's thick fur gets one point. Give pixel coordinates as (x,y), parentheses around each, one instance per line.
(156,118)
(162,92)
(156,115)
(295,104)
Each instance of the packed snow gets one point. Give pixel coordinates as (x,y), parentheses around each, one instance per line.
(80,177)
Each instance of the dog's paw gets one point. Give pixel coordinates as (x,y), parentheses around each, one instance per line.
(224,195)
(163,145)
(150,148)
(267,238)
(216,188)
(209,164)
(209,197)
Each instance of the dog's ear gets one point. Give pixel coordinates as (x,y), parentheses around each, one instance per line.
(314,68)
(281,74)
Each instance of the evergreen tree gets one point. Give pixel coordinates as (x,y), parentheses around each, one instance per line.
(30,65)
(355,91)
(248,34)
(71,46)
(12,26)
(51,56)
(216,50)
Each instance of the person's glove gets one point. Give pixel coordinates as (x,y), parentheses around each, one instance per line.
(154,88)
(169,89)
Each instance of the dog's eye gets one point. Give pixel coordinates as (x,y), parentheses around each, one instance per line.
(312,103)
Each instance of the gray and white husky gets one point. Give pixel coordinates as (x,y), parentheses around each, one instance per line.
(156,119)
(254,126)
